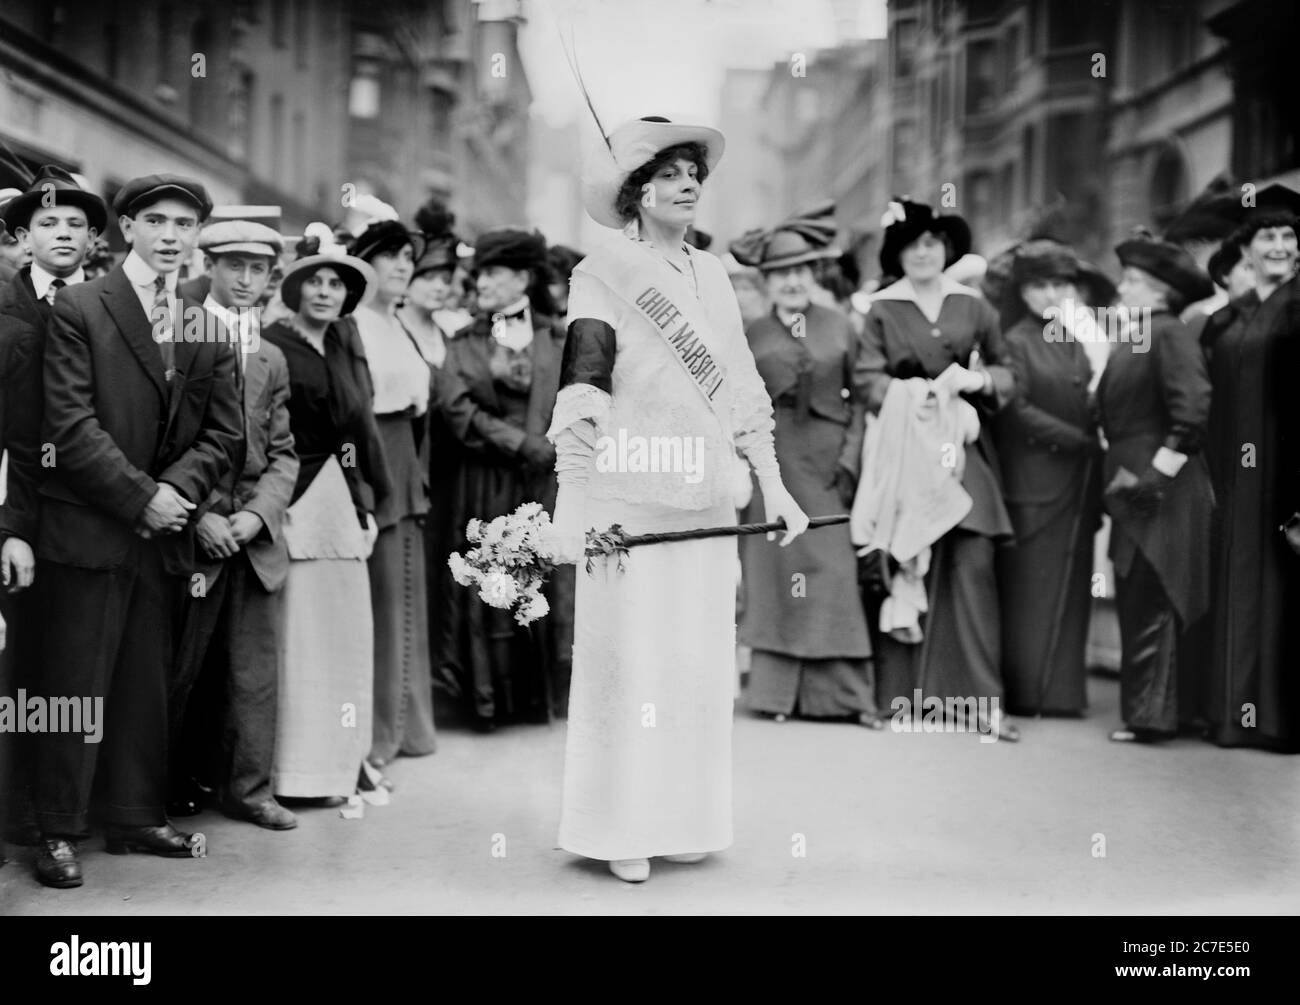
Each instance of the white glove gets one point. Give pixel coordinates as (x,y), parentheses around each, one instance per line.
(567,540)
(778,504)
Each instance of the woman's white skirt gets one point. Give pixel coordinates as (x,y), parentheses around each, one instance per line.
(647,768)
(326,700)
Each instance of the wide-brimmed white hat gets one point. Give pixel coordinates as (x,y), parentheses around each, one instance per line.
(632,145)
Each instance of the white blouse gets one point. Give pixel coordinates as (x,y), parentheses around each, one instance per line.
(398,371)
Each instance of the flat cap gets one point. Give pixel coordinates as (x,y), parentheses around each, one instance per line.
(229,236)
(141,192)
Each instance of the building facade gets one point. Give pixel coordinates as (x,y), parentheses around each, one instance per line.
(298,103)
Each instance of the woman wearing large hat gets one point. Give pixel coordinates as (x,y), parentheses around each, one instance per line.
(402,381)
(1252,694)
(508,360)
(1154,398)
(329,527)
(924,325)
(655,354)
(426,297)
(1051,473)
(811,649)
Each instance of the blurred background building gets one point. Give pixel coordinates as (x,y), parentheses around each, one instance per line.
(276,101)
(1080,117)
(1091,116)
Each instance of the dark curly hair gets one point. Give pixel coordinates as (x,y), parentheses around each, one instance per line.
(628,202)
(1245,233)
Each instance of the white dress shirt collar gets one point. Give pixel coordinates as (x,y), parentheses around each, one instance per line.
(513,333)
(243,321)
(42,280)
(141,275)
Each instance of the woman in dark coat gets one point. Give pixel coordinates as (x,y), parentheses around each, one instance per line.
(330,530)
(1253,689)
(802,616)
(508,359)
(921,326)
(1051,476)
(1154,398)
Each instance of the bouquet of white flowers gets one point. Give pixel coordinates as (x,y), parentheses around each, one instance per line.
(510,563)
(513,559)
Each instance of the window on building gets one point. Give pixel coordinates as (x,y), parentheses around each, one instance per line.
(239,122)
(279,22)
(299,179)
(364,92)
(905,49)
(981,77)
(164,27)
(276,139)
(1075,22)
(56,19)
(111,51)
(904,156)
(1029,164)
(1169,185)
(202,93)
(301,32)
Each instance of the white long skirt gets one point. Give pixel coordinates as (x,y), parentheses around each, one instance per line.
(326,700)
(647,767)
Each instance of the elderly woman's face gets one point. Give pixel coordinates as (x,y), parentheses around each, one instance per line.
(1138,289)
(924,258)
(1272,252)
(1044,293)
(791,288)
(499,287)
(671,196)
(321,296)
(393,270)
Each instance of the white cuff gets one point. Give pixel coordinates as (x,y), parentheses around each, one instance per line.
(1168,462)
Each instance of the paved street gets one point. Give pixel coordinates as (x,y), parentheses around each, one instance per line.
(892,823)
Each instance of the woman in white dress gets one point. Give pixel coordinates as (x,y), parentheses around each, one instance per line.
(655,360)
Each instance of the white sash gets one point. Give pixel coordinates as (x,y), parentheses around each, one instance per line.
(666,302)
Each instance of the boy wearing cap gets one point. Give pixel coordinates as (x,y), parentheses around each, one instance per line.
(141,426)
(54,221)
(230,636)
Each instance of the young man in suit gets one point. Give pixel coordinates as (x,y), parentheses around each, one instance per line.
(229,661)
(54,221)
(141,425)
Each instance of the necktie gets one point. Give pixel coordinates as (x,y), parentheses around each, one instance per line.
(164,331)
(55,286)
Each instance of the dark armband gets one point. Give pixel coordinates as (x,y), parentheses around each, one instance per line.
(588,355)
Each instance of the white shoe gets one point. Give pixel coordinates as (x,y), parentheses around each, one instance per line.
(631,870)
(688,858)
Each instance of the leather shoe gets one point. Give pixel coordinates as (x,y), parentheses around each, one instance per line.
(57,864)
(268,814)
(165,840)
